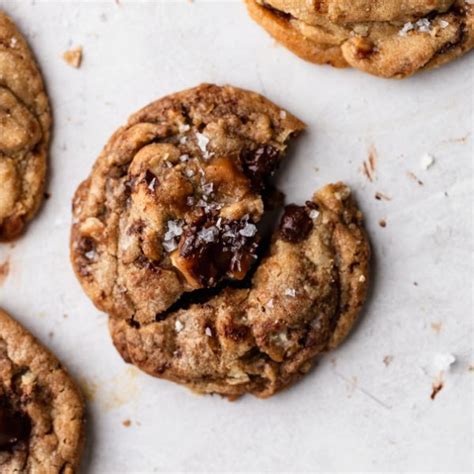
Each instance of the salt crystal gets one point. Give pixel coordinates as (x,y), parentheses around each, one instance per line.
(427,161)
(249,230)
(90,255)
(189,172)
(443,23)
(270,303)
(184,158)
(178,325)
(290,292)
(152,184)
(208,332)
(175,229)
(423,25)
(208,234)
(170,245)
(443,362)
(208,188)
(282,114)
(313,214)
(202,142)
(183,127)
(406,28)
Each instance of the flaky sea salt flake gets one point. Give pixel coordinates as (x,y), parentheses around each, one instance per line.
(290,292)
(249,230)
(178,325)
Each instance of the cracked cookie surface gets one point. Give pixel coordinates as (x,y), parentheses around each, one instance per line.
(25,123)
(386,39)
(174,200)
(41,410)
(303,299)
(166,239)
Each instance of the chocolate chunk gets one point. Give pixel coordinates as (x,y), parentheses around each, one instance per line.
(14,426)
(260,164)
(295,224)
(213,248)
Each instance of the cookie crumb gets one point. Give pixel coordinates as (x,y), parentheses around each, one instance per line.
(437,387)
(437,327)
(126,423)
(4,271)
(382,223)
(369,165)
(414,178)
(382,197)
(362,279)
(387,360)
(427,161)
(74,57)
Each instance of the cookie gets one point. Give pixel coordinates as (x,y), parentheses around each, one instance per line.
(173,201)
(168,239)
(303,300)
(25,123)
(41,410)
(386,39)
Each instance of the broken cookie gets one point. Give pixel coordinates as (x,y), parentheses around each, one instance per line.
(167,239)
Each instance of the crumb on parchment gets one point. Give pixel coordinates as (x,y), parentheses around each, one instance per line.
(74,57)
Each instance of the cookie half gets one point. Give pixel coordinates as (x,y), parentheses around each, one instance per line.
(25,123)
(174,201)
(381,38)
(303,299)
(41,409)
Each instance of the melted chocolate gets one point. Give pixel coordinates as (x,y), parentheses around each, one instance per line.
(295,225)
(216,248)
(14,427)
(260,164)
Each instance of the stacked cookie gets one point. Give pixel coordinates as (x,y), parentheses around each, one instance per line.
(392,39)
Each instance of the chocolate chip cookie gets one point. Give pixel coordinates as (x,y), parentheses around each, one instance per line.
(25,123)
(389,39)
(168,239)
(41,410)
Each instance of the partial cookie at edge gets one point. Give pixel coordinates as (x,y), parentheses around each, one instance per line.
(24,132)
(36,391)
